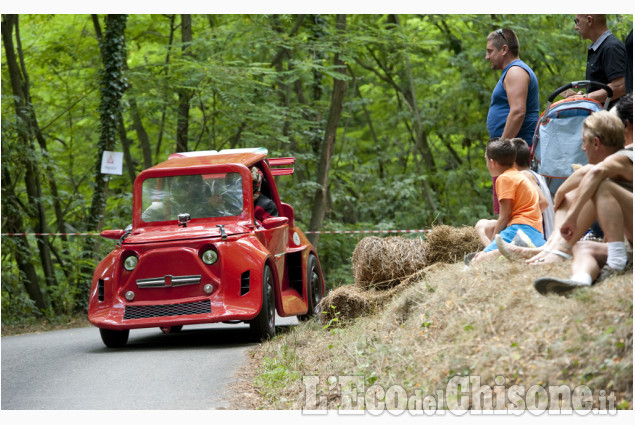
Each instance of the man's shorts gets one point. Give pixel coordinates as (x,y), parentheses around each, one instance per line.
(508,234)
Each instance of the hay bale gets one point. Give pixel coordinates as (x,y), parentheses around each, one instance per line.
(447,244)
(345,303)
(382,267)
(353,301)
(382,263)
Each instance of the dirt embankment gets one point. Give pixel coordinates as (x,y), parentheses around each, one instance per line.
(445,320)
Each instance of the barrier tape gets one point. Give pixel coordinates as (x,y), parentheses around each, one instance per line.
(49,234)
(367,231)
(327,232)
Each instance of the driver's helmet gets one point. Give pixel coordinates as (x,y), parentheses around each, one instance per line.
(256,178)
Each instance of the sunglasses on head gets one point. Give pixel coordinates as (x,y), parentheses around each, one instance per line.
(500,32)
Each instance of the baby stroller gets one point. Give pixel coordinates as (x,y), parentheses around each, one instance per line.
(558,137)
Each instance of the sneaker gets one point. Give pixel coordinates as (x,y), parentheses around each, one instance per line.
(521,239)
(546,285)
(469,257)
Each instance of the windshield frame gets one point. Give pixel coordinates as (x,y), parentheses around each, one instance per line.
(153,173)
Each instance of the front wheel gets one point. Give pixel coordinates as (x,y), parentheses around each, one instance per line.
(171,329)
(263,326)
(314,288)
(114,339)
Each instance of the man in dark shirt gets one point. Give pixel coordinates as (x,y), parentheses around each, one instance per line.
(606,58)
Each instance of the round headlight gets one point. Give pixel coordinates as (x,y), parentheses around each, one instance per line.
(209,257)
(129,295)
(130,263)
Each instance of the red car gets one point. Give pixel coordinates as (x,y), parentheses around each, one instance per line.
(210,241)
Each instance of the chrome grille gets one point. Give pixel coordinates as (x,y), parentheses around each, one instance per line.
(145,311)
(168,281)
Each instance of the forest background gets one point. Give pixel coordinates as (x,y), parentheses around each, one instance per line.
(387,112)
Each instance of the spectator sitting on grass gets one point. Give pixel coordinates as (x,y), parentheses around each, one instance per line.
(608,186)
(517,196)
(579,202)
(485,228)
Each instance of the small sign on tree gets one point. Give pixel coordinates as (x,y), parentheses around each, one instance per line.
(112,163)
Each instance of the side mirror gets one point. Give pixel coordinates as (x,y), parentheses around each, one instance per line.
(273,222)
(112,234)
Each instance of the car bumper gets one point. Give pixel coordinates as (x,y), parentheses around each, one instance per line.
(123,315)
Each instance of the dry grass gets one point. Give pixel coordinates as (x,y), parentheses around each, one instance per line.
(486,321)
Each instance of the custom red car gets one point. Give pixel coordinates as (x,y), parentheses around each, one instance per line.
(210,241)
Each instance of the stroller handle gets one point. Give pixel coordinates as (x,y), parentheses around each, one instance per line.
(584,84)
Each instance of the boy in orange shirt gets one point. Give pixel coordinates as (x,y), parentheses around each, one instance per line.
(517,196)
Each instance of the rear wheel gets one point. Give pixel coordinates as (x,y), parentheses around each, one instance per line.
(264,325)
(314,288)
(114,339)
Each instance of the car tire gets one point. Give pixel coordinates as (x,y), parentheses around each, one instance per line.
(114,339)
(314,289)
(171,329)
(263,326)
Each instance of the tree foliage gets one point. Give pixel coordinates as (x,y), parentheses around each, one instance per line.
(406,149)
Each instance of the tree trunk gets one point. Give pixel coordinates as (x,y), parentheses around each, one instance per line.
(125,142)
(328,143)
(185,95)
(142,134)
(12,223)
(49,172)
(166,94)
(113,52)
(26,132)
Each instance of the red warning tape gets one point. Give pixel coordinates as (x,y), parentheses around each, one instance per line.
(50,234)
(368,231)
(328,232)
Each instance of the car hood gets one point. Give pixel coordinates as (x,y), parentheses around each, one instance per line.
(175,233)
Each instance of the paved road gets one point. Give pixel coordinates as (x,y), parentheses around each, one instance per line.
(72,369)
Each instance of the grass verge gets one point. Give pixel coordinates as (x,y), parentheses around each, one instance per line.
(44,325)
(487,322)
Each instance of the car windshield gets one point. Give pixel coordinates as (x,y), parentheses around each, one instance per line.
(201,196)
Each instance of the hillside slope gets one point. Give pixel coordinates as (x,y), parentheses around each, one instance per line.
(486,322)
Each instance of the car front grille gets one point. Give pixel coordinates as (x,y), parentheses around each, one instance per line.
(145,311)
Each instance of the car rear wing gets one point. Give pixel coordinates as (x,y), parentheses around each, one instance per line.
(273,162)
(279,162)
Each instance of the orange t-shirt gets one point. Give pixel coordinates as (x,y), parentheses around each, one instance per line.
(524,196)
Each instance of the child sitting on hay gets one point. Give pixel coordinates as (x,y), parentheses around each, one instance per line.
(517,196)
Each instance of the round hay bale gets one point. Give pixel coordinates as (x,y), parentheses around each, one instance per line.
(352,301)
(345,303)
(382,263)
(447,244)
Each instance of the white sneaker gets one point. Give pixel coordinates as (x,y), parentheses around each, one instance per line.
(521,239)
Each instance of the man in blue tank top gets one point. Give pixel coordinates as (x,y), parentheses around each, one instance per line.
(515,109)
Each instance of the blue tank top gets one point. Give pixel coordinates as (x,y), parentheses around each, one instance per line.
(499,107)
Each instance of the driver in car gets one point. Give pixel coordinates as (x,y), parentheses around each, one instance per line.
(264,207)
(186,196)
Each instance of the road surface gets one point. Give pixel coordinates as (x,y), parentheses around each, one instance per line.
(72,369)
